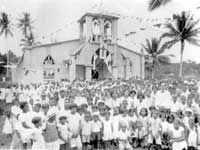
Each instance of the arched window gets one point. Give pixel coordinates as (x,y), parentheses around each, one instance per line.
(48,60)
(96,29)
(107,28)
(96,26)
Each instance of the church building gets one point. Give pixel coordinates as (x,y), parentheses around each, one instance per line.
(96,54)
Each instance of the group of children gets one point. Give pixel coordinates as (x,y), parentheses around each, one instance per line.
(103,115)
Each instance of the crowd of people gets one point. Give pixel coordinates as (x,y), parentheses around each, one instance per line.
(108,114)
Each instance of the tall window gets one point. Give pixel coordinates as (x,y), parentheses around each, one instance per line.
(48,71)
(96,29)
(107,28)
(48,60)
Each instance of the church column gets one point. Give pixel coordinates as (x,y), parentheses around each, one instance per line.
(115,72)
(72,69)
(127,68)
(88,72)
(142,66)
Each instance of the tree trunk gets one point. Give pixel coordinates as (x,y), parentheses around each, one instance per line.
(181,60)
(153,73)
(7,55)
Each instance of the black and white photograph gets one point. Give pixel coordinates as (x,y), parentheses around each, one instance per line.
(99,74)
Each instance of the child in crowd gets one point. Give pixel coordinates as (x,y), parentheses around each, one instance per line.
(107,130)
(178,136)
(155,129)
(8,126)
(193,135)
(24,125)
(51,133)
(86,130)
(37,135)
(96,131)
(74,120)
(124,137)
(64,133)
(106,114)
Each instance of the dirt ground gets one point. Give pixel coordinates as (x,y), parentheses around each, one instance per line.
(4,141)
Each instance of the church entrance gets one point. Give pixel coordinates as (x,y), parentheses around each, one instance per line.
(100,71)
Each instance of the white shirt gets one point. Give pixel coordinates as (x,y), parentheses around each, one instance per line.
(65,132)
(61,103)
(96,126)
(86,127)
(124,135)
(38,139)
(25,117)
(74,122)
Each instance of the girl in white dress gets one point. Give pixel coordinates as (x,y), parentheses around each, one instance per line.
(8,128)
(36,136)
(193,136)
(86,130)
(143,127)
(177,136)
(107,130)
(155,128)
(64,132)
(115,122)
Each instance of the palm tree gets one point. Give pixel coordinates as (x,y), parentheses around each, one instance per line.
(183,30)
(155,55)
(24,24)
(5,28)
(29,41)
(5,25)
(154,4)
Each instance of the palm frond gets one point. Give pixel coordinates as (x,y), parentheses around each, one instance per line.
(154,4)
(164,60)
(5,25)
(192,33)
(166,45)
(146,49)
(193,41)
(172,29)
(183,29)
(25,24)
(168,35)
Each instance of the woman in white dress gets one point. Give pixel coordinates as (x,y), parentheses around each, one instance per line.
(37,136)
(178,136)
(107,130)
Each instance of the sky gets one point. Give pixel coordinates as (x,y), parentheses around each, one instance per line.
(56,20)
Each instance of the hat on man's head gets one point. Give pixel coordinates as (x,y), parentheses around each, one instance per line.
(51,113)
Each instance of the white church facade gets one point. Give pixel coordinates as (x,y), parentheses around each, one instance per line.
(95,55)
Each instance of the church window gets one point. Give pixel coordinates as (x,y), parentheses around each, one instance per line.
(96,29)
(107,29)
(48,60)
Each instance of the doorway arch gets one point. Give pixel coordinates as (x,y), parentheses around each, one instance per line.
(101,66)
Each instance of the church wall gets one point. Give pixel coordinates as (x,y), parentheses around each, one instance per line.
(129,71)
(80,72)
(33,61)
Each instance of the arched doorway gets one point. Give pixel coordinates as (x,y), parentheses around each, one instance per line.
(48,68)
(101,66)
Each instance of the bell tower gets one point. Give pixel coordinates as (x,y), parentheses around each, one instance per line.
(98,27)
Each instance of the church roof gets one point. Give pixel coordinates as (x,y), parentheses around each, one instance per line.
(106,15)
